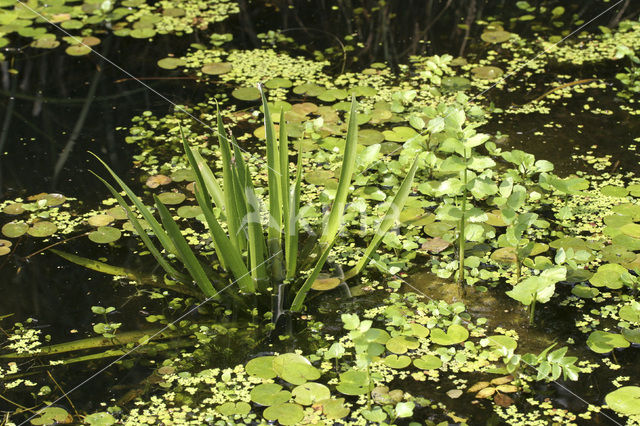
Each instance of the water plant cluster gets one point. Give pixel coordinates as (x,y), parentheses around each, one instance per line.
(312,187)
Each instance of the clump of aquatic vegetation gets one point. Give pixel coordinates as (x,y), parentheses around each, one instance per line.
(314,187)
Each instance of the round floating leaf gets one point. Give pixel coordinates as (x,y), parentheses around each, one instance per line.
(608,275)
(100,220)
(375,415)
(5,247)
(117,213)
(171,198)
(14,229)
(42,229)
(495,36)
(261,367)
(78,50)
(614,191)
(105,234)
(318,176)
(370,137)
(456,83)
(353,382)
(503,343)
(487,73)
(13,209)
(216,68)
(182,175)
(52,415)
(631,229)
(419,330)
(285,414)
(189,212)
(45,43)
(246,94)
(326,283)
(100,419)
(234,409)
(585,291)
(625,400)
(174,11)
(603,342)
(334,408)
(428,362)
(633,336)
(269,394)
(274,83)
(171,63)
(630,313)
(455,334)
(142,33)
(54,199)
(401,344)
(398,362)
(157,180)
(505,255)
(294,368)
(308,393)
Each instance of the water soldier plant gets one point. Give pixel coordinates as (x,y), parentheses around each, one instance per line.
(262,258)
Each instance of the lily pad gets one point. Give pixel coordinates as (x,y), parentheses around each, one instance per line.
(630,313)
(171,63)
(234,409)
(294,368)
(585,291)
(285,414)
(614,191)
(625,400)
(428,362)
(157,180)
(455,334)
(189,212)
(142,33)
(42,229)
(216,68)
(14,229)
(397,362)
(456,83)
(269,394)
(261,367)
(318,176)
(100,419)
(608,275)
(246,94)
(100,220)
(13,209)
(78,50)
(370,137)
(105,235)
(326,283)
(353,382)
(278,82)
(117,213)
(603,342)
(401,344)
(5,247)
(495,36)
(52,415)
(333,408)
(487,72)
(309,393)
(171,198)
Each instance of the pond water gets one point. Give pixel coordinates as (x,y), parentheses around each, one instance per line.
(96,331)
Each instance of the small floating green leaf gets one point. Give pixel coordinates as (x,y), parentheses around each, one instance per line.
(105,234)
